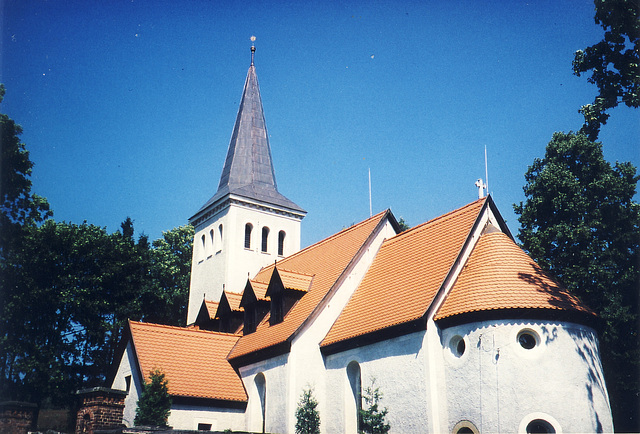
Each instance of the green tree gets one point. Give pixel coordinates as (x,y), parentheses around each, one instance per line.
(21,212)
(307,415)
(166,297)
(154,405)
(580,222)
(372,419)
(614,62)
(18,205)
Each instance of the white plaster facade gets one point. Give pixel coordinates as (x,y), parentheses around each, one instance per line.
(128,378)
(500,386)
(220,258)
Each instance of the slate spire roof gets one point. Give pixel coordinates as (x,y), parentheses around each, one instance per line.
(248,169)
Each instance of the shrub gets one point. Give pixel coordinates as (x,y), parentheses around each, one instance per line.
(154,405)
(372,420)
(307,415)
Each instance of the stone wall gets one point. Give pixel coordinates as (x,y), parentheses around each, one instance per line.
(102,408)
(18,417)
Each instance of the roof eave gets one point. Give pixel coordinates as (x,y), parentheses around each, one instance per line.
(396,330)
(521,314)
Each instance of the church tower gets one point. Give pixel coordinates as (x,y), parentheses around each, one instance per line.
(247,224)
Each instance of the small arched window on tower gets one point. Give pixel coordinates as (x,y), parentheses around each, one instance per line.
(265,238)
(281,236)
(203,240)
(247,235)
(211,235)
(220,237)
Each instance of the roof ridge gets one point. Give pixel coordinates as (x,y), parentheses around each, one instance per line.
(177,328)
(299,273)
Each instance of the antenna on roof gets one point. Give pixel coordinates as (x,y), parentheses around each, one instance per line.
(370,208)
(486,170)
(253,48)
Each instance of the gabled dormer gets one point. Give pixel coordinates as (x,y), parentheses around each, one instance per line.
(206,319)
(285,289)
(255,305)
(229,314)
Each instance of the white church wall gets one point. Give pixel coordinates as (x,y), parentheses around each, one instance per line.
(126,368)
(399,368)
(188,417)
(276,377)
(500,386)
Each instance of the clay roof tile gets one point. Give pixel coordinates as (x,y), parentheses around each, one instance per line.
(182,352)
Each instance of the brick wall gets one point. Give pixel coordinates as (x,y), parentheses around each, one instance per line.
(101,408)
(17,417)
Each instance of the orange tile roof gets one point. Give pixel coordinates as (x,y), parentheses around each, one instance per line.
(499,275)
(212,308)
(234,300)
(326,261)
(294,280)
(260,288)
(405,275)
(193,361)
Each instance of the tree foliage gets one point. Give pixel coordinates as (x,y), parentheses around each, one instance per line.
(307,415)
(154,405)
(372,419)
(614,62)
(170,272)
(580,222)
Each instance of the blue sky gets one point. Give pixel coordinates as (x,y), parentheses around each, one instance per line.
(128,106)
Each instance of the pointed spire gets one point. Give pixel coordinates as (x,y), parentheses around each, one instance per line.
(248,169)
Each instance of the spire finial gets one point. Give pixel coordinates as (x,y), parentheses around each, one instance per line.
(253,48)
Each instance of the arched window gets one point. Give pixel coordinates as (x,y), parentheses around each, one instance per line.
(247,235)
(211,233)
(261,385)
(203,253)
(355,404)
(265,238)
(281,236)
(220,235)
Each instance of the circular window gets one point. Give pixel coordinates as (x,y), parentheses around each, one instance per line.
(457,346)
(539,422)
(528,339)
(465,427)
(540,426)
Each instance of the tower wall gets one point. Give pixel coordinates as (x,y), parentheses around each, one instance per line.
(224,261)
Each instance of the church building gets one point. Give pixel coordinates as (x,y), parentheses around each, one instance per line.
(460,330)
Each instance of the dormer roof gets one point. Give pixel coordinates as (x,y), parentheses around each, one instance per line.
(287,280)
(229,302)
(248,168)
